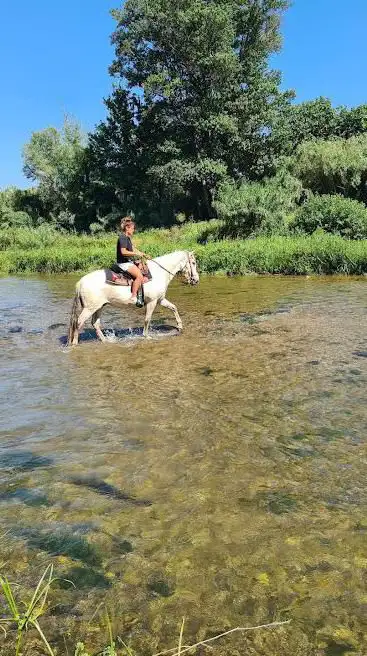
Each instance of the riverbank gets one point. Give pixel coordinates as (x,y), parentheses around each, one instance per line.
(47,251)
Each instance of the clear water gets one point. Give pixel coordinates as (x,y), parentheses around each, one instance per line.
(218,475)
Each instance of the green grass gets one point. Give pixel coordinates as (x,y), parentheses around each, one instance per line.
(45,250)
(26,614)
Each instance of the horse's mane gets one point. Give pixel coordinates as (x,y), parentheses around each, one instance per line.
(160,258)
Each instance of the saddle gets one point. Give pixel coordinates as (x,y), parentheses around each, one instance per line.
(114,275)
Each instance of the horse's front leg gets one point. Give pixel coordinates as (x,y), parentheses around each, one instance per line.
(171,306)
(149,309)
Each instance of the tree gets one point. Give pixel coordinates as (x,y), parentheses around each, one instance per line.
(118,160)
(198,100)
(58,161)
(316,119)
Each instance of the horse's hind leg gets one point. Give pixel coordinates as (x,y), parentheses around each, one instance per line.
(83,317)
(96,323)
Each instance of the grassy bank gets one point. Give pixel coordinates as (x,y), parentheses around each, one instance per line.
(43,250)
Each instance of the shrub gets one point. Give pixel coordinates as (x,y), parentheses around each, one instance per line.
(35,250)
(258,208)
(28,238)
(335,214)
(337,166)
(13,219)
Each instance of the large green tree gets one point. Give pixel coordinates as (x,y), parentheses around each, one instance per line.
(58,161)
(196,102)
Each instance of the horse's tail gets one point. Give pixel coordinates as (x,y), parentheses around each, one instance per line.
(73,325)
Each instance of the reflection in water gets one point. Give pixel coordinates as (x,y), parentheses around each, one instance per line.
(218,475)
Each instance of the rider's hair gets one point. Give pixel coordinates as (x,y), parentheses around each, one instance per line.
(127,221)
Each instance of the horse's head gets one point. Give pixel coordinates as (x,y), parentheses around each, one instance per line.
(189,270)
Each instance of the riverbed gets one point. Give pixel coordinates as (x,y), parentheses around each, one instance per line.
(217,475)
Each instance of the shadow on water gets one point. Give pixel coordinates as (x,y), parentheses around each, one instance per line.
(32,498)
(263,315)
(55,326)
(23,461)
(101,487)
(89,334)
(82,578)
(360,354)
(62,541)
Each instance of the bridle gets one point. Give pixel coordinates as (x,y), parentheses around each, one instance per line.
(162,267)
(191,275)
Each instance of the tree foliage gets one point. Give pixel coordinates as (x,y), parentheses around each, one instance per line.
(20,207)
(197,102)
(336,166)
(316,119)
(58,161)
(196,127)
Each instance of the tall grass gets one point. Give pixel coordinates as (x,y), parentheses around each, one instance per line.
(27,614)
(45,250)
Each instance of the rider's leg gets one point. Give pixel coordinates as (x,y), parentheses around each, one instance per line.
(138,280)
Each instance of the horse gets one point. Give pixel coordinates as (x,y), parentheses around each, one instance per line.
(92,293)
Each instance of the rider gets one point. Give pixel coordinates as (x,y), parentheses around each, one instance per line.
(125,254)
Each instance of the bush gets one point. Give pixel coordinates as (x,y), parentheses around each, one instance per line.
(14,219)
(337,166)
(335,214)
(20,207)
(258,208)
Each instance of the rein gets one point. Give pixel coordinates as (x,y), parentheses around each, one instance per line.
(162,267)
(170,272)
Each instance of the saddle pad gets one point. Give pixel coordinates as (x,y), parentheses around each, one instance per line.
(117,278)
(125,274)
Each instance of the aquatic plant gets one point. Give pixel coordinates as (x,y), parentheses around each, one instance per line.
(22,620)
(34,609)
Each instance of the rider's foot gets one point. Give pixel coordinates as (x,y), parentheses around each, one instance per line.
(133,300)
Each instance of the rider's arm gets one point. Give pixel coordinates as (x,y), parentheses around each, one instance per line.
(134,253)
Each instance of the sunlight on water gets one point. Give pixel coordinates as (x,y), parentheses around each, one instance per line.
(217,475)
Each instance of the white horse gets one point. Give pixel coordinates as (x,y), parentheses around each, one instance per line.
(93,293)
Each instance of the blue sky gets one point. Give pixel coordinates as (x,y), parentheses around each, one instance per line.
(54,58)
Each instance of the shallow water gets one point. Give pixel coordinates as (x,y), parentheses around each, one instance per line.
(218,475)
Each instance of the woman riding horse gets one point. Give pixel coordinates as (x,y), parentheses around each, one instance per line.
(125,252)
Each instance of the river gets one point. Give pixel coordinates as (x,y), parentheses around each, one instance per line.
(219,475)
